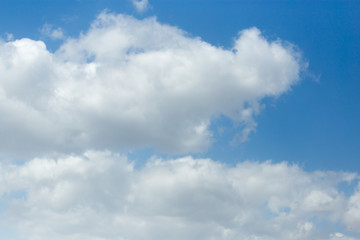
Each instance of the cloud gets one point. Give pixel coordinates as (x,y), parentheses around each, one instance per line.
(141,5)
(51,32)
(101,195)
(352,216)
(128,84)
(9,36)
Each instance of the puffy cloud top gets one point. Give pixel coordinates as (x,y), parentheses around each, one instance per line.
(99,195)
(129,83)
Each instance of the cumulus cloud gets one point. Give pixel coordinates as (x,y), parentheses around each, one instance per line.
(128,84)
(100,195)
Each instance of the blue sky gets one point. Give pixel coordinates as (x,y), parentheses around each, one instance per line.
(91,89)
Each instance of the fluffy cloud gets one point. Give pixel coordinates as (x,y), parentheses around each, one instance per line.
(128,84)
(100,195)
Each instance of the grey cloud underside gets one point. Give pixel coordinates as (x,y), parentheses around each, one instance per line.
(100,195)
(128,84)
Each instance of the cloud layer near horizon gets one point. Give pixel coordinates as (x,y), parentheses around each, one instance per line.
(100,195)
(128,84)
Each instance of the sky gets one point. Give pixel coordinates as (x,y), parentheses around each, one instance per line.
(175,120)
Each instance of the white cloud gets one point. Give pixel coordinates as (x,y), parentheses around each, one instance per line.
(9,36)
(100,195)
(141,5)
(128,84)
(51,32)
(352,215)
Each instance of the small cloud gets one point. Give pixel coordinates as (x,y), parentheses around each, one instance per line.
(9,36)
(51,32)
(141,5)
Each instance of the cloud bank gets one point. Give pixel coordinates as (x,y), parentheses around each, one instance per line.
(128,84)
(100,195)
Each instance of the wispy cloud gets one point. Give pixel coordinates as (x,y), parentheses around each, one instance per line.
(52,32)
(9,36)
(141,5)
